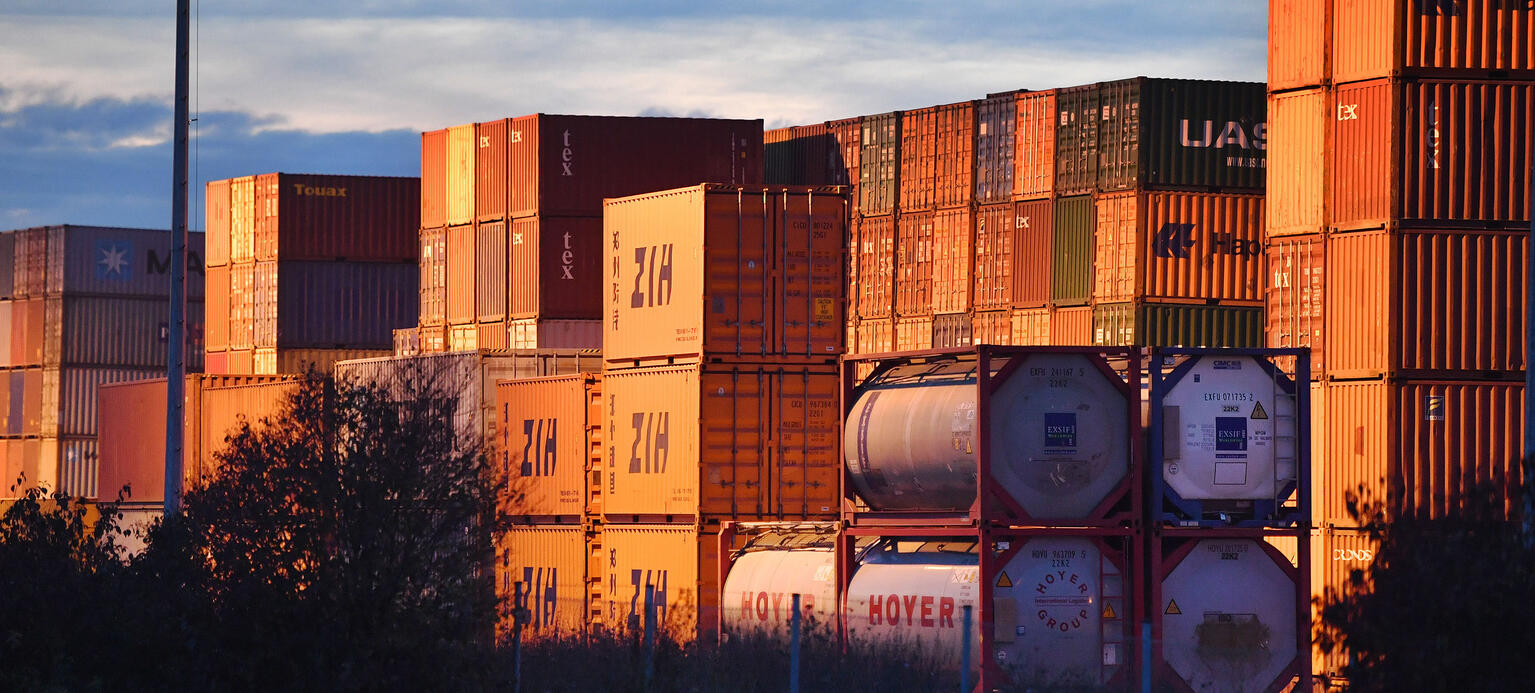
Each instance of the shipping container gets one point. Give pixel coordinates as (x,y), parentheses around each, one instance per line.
(242,219)
(492,184)
(7,264)
(1032,327)
(842,163)
(554,263)
(1181,134)
(776,156)
(215,222)
(914,333)
(951,331)
(25,333)
(461,148)
(954,155)
(32,262)
(1431,152)
(299,361)
(1422,448)
(434,179)
(991,327)
(69,397)
(76,459)
(874,246)
(218,308)
(797,155)
(1034,155)
(914,264)
(33,460)
(919,140)
(1383,38)
(1178,245)
(460,274)
(995,143)
(994,259)
(407,341)
(491,279)
(1176,324)
(434,339)
(720,461)
(1416,302)
(216,362)
(549,562)
(876,336)
(563,165)
(535,333)
(879,162)
(550,441)
(1076,140)
(755,271)
(218,407)
(1295,298)
(7,330)
(116,261)
(1071,251)
(303,216)
(112,331)
(1298,43)
(239,362)
(953,233)
(464,337)
(16,412)
(242,304)
(1297,180)
(678,564)
(434,276)
(332,305)
(1033,239)
(492,336)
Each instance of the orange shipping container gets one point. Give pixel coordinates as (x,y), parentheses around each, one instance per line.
(217,309)
(491,335)
(434,276)
(272,361)
(875,336)
(1298,36)
(1382,38)
(1431,152)
(914,334)
(954,155)
(722,441)
(434,179)
(725,270)
(460,169)
(460,274)
(678,562)
(1034,158)
(1071,326)
(875,247)
(242,219)
(992,327)
(1421,447)
(952,239)
(549,432)
(1297,173)
(914,264)
(554,263)
(217,223)
(492,188)
(242,306)
(1031,326)
(1294,300)
(434,339)
(225,404)
(1178,245)
(238,362)
(463,337)
(550,562)
(1415,302)
(994,260)
(1033,234)
(918,148)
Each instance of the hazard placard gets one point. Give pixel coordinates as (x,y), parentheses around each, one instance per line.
(1172,607)
(1004,581)
(1258,411)
(1108,611)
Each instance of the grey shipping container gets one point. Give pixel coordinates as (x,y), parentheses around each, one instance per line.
(77,467)
(1181,134)
(880,163)
(7,264)
(121,262)
(1076,140)
(1071,251)
(118,331)
(69,396)
(1173,324)
(951,331)
(334,305)
(995,126)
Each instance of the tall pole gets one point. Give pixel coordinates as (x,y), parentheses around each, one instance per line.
(175,337)
(1527,469)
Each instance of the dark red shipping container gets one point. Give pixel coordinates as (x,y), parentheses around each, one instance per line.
(919,146)
(491,186)
(322,217)
(914,264)
(954,155)
(434,178)
(1380,38)
(874,244)
(811,143)
(994,260)
(1033,231)
(557,265)
(842,158)
(564,165)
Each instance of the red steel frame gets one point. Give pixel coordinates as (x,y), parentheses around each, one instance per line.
(993,506)
(1163,562)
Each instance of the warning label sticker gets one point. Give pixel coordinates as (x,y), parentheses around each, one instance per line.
(1172,607)
(1108,611)
(1258,411)
(1004,580)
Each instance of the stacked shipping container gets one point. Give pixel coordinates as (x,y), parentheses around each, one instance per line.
(306,270)
(82,306)
(1396,250)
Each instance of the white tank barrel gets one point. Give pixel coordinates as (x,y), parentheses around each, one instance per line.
(1061,613)
(1228,431)
(915,601)
(1060,436)
(758,596)
(1228,616)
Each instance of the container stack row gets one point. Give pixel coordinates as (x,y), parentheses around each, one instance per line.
(1127,212)
(307,270)
(1397,245)
(511,218)
(82,306)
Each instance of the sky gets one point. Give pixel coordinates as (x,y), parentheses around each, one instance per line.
(87,86)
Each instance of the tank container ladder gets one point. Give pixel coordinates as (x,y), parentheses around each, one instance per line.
(1286,441)
(1111,629)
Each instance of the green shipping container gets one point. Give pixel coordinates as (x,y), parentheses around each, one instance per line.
(879,163)
(1071,250)
(1181,134)
(1076,140)
(1172,324)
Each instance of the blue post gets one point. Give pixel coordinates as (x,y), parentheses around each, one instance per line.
(1146,657)
(794,648)
(964,655)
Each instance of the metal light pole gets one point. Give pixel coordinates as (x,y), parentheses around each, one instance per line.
(175,337)
(1527,465)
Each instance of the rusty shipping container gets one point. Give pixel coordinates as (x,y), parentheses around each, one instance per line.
(434,276)
(535,333)
(679,563)
(491,187)
(550,440)
(1297,179)
(991,327)
(879,163)
(1071,251)
(565,165)
(725,270)
(953,236)
(1032,326)
(434,179)
(995,143)
(995,261)
(332,305)
(491,279)
(1385,38)
(1297,45)
(919,142)
(1175,324)
(914,333)
(914,264)
(216,221)
(550,562)
(1076,139)
(842,158)
(1178,245)
(951,331)
(554,261)
(460,275)
(1431,153)
(1294,299)
(1417,302)
(242,219)
(874,244)
(461,147)
(1421,448)
(302,216)
(270,361)
(954,155)
(1033,240)
(1182,134)
(692,442)
(1071,326)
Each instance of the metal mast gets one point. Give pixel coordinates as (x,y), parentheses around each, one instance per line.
(176,332)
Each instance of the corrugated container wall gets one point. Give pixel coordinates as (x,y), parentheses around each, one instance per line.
(996,122)
(874,244)
(879,162)
(1032,326)
(1178,245)
(954,155)
(115,261)
(215,222)
(320,217)
(1171,324)
(1181,133)
(114,331)
(1381,38)
(555,263)
(952,331)
(953,234)
(1076,140)
(491,157)
(991,327)
(69,397)
(1295,298)
(242,219)
(677,561)
(565,165)
(434,179)
(874,337)
(434,276)
(491,279)
(490,335)
(1297,45)
(7,264)
(534,333)
(842,162)
(550,563)
(914,333)
(776,144)
(1034,158)
(914,264)
(1071,251)
(242,302)
(460,275)
(812,144)
(339,305)
(461,148)
(545,444)
(919,142)
(995,262)
(1033,242)
(1297,176)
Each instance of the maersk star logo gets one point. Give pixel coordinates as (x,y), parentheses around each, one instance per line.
(114,260)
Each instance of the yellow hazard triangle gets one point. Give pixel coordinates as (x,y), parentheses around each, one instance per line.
(1258,412)
(1172,607)
(1004,580)
(1108,611)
